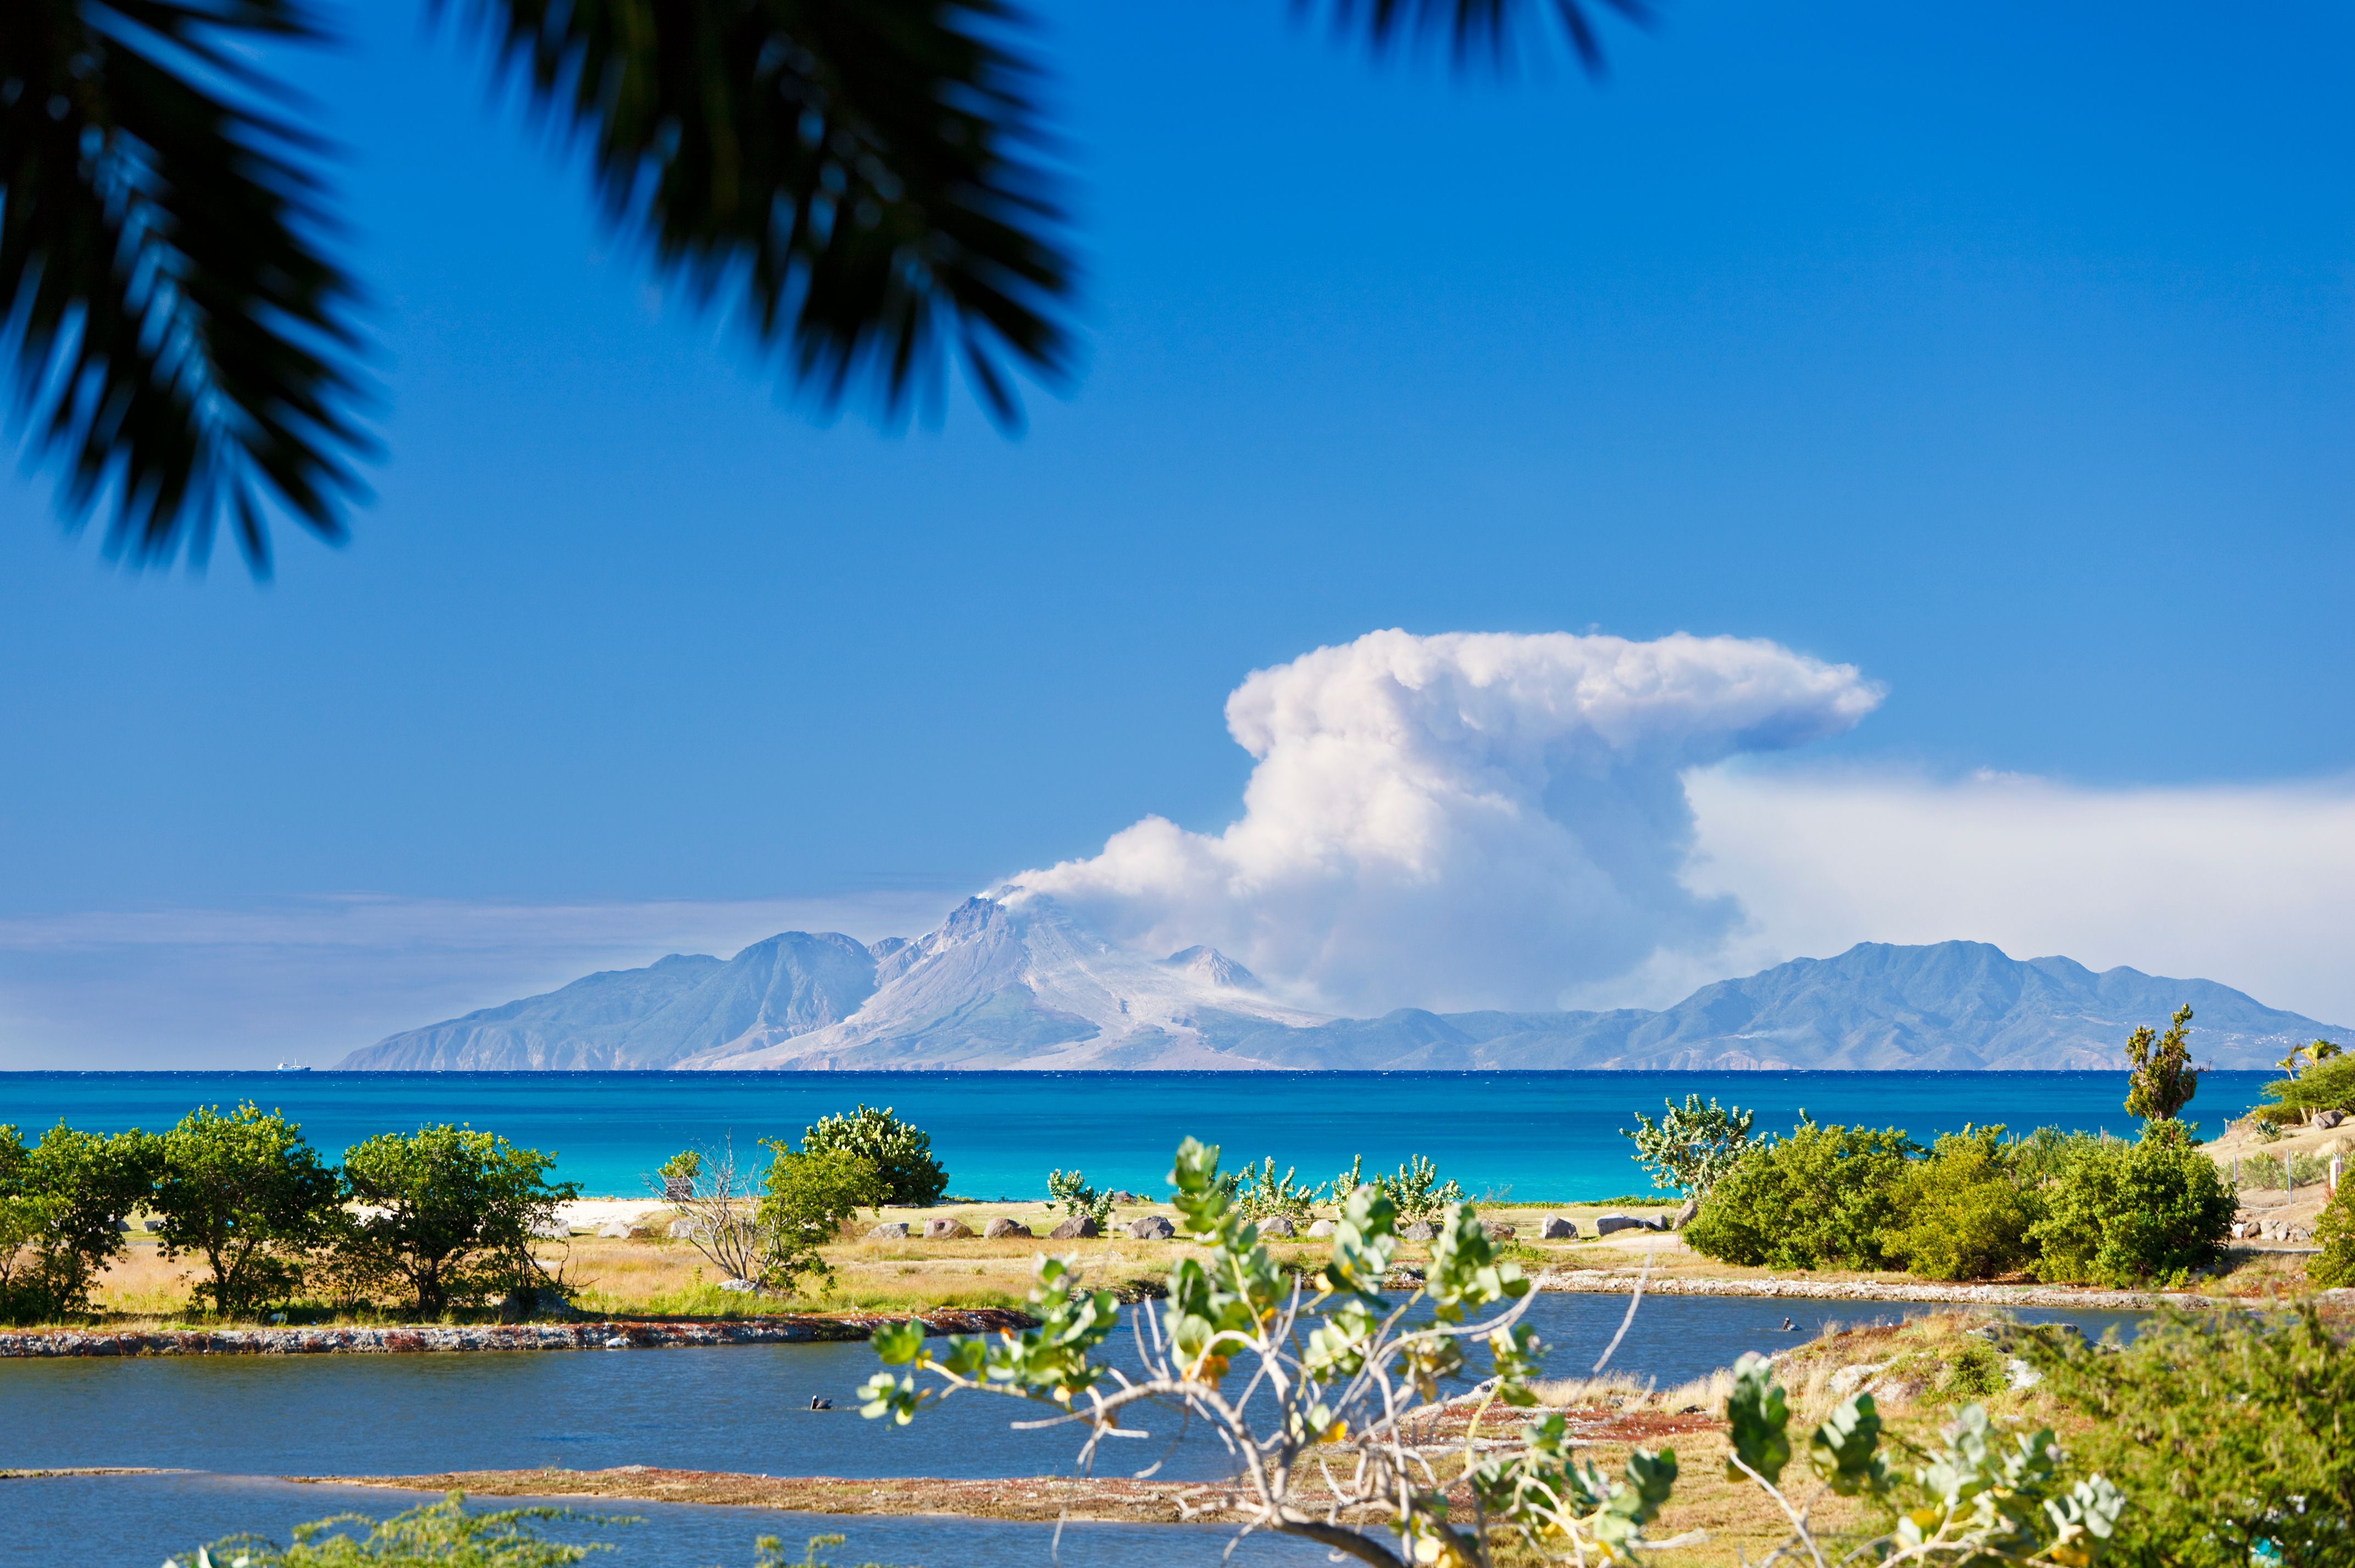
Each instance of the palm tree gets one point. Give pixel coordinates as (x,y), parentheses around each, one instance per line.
(867,187)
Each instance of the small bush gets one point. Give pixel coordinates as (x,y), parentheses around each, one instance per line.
(2262,1173)
(1071,1192)
(1416,1189)
(1824,1195)
(1976,1372)
(901,1154)
(2335,1265)
(808,1199)
(2128,1213)
(1964,1214)
(1263,1195)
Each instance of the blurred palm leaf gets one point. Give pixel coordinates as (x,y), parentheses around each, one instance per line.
(180,340)
(1473,28)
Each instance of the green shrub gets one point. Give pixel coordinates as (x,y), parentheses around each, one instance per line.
(245,1194)
(2228,1429)
(451,1216)
(2262,1173)
(1963,1212)
(2128,1213)
(808,1199)
(1416,1189)
(1263,1195)
(62,1204)
(2335,1265)
(901,1154)
(1977,1371)
(1824,1195)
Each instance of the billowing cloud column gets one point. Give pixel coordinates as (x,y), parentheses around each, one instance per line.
(1476,819)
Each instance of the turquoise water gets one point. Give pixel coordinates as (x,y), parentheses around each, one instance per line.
(1542,1136)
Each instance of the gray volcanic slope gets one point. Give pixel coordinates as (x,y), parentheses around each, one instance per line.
(1021,985)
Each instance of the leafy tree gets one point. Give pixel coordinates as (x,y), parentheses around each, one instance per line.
(1071,1192)
(808,1198)
(447,1213)
(2124,1213)
(2229,1430)
(1963,1213)
(1692,1144)
(67,1198)
(861,187)
(2163,1079)
(246,1193)
(901,1153)
(1822,1197)
(2328,1085)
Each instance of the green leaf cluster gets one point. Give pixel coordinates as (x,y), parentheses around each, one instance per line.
(2125,1213)
(807,1199)
(1070,1191)
(901,1152)
(2334,1267)
(1823,1197)
(1965,1212)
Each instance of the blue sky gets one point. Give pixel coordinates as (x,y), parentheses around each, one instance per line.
(2003,352)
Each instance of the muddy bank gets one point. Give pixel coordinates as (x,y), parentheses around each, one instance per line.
(410,1340)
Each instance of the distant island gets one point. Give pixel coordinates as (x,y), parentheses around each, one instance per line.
(1023,985)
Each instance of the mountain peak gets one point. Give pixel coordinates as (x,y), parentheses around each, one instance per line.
(1213,967)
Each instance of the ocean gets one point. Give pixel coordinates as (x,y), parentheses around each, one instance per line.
(1531,1136)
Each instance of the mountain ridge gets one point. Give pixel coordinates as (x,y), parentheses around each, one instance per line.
(1020,983)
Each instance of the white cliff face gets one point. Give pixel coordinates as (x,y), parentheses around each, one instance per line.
(1016,981)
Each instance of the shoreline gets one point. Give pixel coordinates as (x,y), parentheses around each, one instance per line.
(606,1334)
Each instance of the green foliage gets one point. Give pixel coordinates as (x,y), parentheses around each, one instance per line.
(2334,1266)
(804,1203)
(2008,1503)
(2162,1079)
(448,1215)
(2329,1085)
(1976,1372)
(1347,1181)
(1416,1189)
(1824,1195)
(2124,1213)
(442,1535)
(1757,1415)
(1263,1195)
(1964,1212)
(62,1204)
(2263,1173)
(1692,1144)
(901,1153)
(245,1194)
(2229,1429)
(1078,1199)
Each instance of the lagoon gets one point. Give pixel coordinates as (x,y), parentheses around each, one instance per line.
(1537,1136)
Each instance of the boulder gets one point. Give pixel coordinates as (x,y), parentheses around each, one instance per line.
(623,1231)
(1554,1228)
(1688,1214)
(1497,1231)
(1153,1228)
(677,1188)
(1123,1196)
(2329,1118)
(151,1226)
(1002,1226)
(1421,1231)
(1612,1224)
(1277,1225)
(890,1230)
(739,1288)
(551,1231)
(1075,1228)
(1322,1228)
(946,1230)
(681,1230)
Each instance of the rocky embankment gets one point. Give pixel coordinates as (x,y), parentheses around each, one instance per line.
(632,1335)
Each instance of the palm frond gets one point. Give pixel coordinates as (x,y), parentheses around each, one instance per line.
(1470,29)
(863,184)
(182,349)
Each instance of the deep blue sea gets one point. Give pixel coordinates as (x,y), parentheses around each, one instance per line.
(1534,1136)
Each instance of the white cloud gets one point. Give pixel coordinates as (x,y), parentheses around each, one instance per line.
(1471,819)
(315,977)
(2252,885)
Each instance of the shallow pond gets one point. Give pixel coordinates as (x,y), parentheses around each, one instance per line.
(742,1408)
